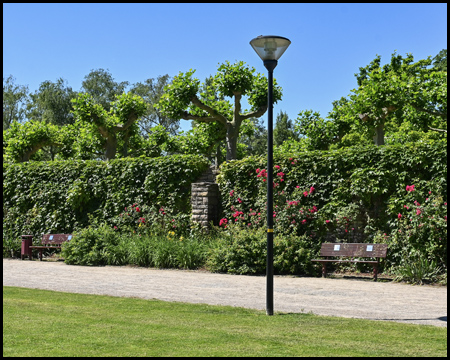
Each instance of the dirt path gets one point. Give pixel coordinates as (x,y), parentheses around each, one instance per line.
(336,297)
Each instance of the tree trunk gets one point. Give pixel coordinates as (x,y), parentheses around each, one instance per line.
(378,138)
(218,156)
(232,137)
(111,147)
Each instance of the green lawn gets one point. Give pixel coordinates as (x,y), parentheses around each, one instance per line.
(47,323)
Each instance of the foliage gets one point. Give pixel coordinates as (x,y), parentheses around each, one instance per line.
(185,99)
(55,197)
(102,87)
(284,129)
(52,103)
(239,251)
(320,134)
(119,123)
(339,195)
(22,141)
(146,219)
(418,237)
(401,90)
(91,246)
(440,61)
(11,244)
(387,97)
(151,91)
(14,101)
(418,270)
(103,245)
(243,250)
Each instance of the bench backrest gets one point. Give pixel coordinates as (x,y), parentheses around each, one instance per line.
(354,250)
(55,239)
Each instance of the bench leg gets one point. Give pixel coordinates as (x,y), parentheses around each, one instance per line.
(40,254)
(324,270)
(375,272)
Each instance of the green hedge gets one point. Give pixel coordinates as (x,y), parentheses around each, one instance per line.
(62,196)
(368,181)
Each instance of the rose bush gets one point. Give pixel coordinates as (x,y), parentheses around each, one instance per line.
(418,238)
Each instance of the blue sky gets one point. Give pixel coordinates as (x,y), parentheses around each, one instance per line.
(140,41)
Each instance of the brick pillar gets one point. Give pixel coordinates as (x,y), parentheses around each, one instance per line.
(205,203)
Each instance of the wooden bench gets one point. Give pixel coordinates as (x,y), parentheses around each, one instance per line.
(348,253)
(51,241)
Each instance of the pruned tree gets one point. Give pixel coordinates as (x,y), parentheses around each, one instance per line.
(183,100)
(399,89)
(117,124)
(22,141)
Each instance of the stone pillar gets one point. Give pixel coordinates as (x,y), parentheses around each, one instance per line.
(205,203)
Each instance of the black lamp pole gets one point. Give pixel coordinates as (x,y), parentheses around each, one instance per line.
(270,65)
(269,49)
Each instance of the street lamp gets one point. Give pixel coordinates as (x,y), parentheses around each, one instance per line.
(270,48)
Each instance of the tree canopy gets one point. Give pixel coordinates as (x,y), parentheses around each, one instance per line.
(119,123)
(400,101)
(183,99)
(14,102)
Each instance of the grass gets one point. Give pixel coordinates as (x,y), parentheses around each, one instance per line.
(48,323)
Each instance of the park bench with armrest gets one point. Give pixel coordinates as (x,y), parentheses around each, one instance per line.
(51,241)
(348,252)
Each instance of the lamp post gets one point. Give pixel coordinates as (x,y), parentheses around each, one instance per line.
(270,48)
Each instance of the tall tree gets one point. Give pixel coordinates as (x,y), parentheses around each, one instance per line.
(151,91)
(14,101)
(183,101)
(254,137)
(440,61)
(284,129)
(102,87)
(317,133)
(52,103)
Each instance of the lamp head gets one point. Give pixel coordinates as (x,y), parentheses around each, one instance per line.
(270,47)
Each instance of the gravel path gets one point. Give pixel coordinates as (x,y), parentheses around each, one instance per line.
(336,297)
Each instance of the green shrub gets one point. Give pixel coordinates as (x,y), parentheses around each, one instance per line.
(57,196)
(244,251)
(239,251)
(417,241)
(102,245)
(417,269)
(11,244)
(91,246)
(293,254)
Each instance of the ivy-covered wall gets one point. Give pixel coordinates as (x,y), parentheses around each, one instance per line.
(56,197)
(367,183)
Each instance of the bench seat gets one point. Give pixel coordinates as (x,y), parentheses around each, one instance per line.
(346,253)
(51,241)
